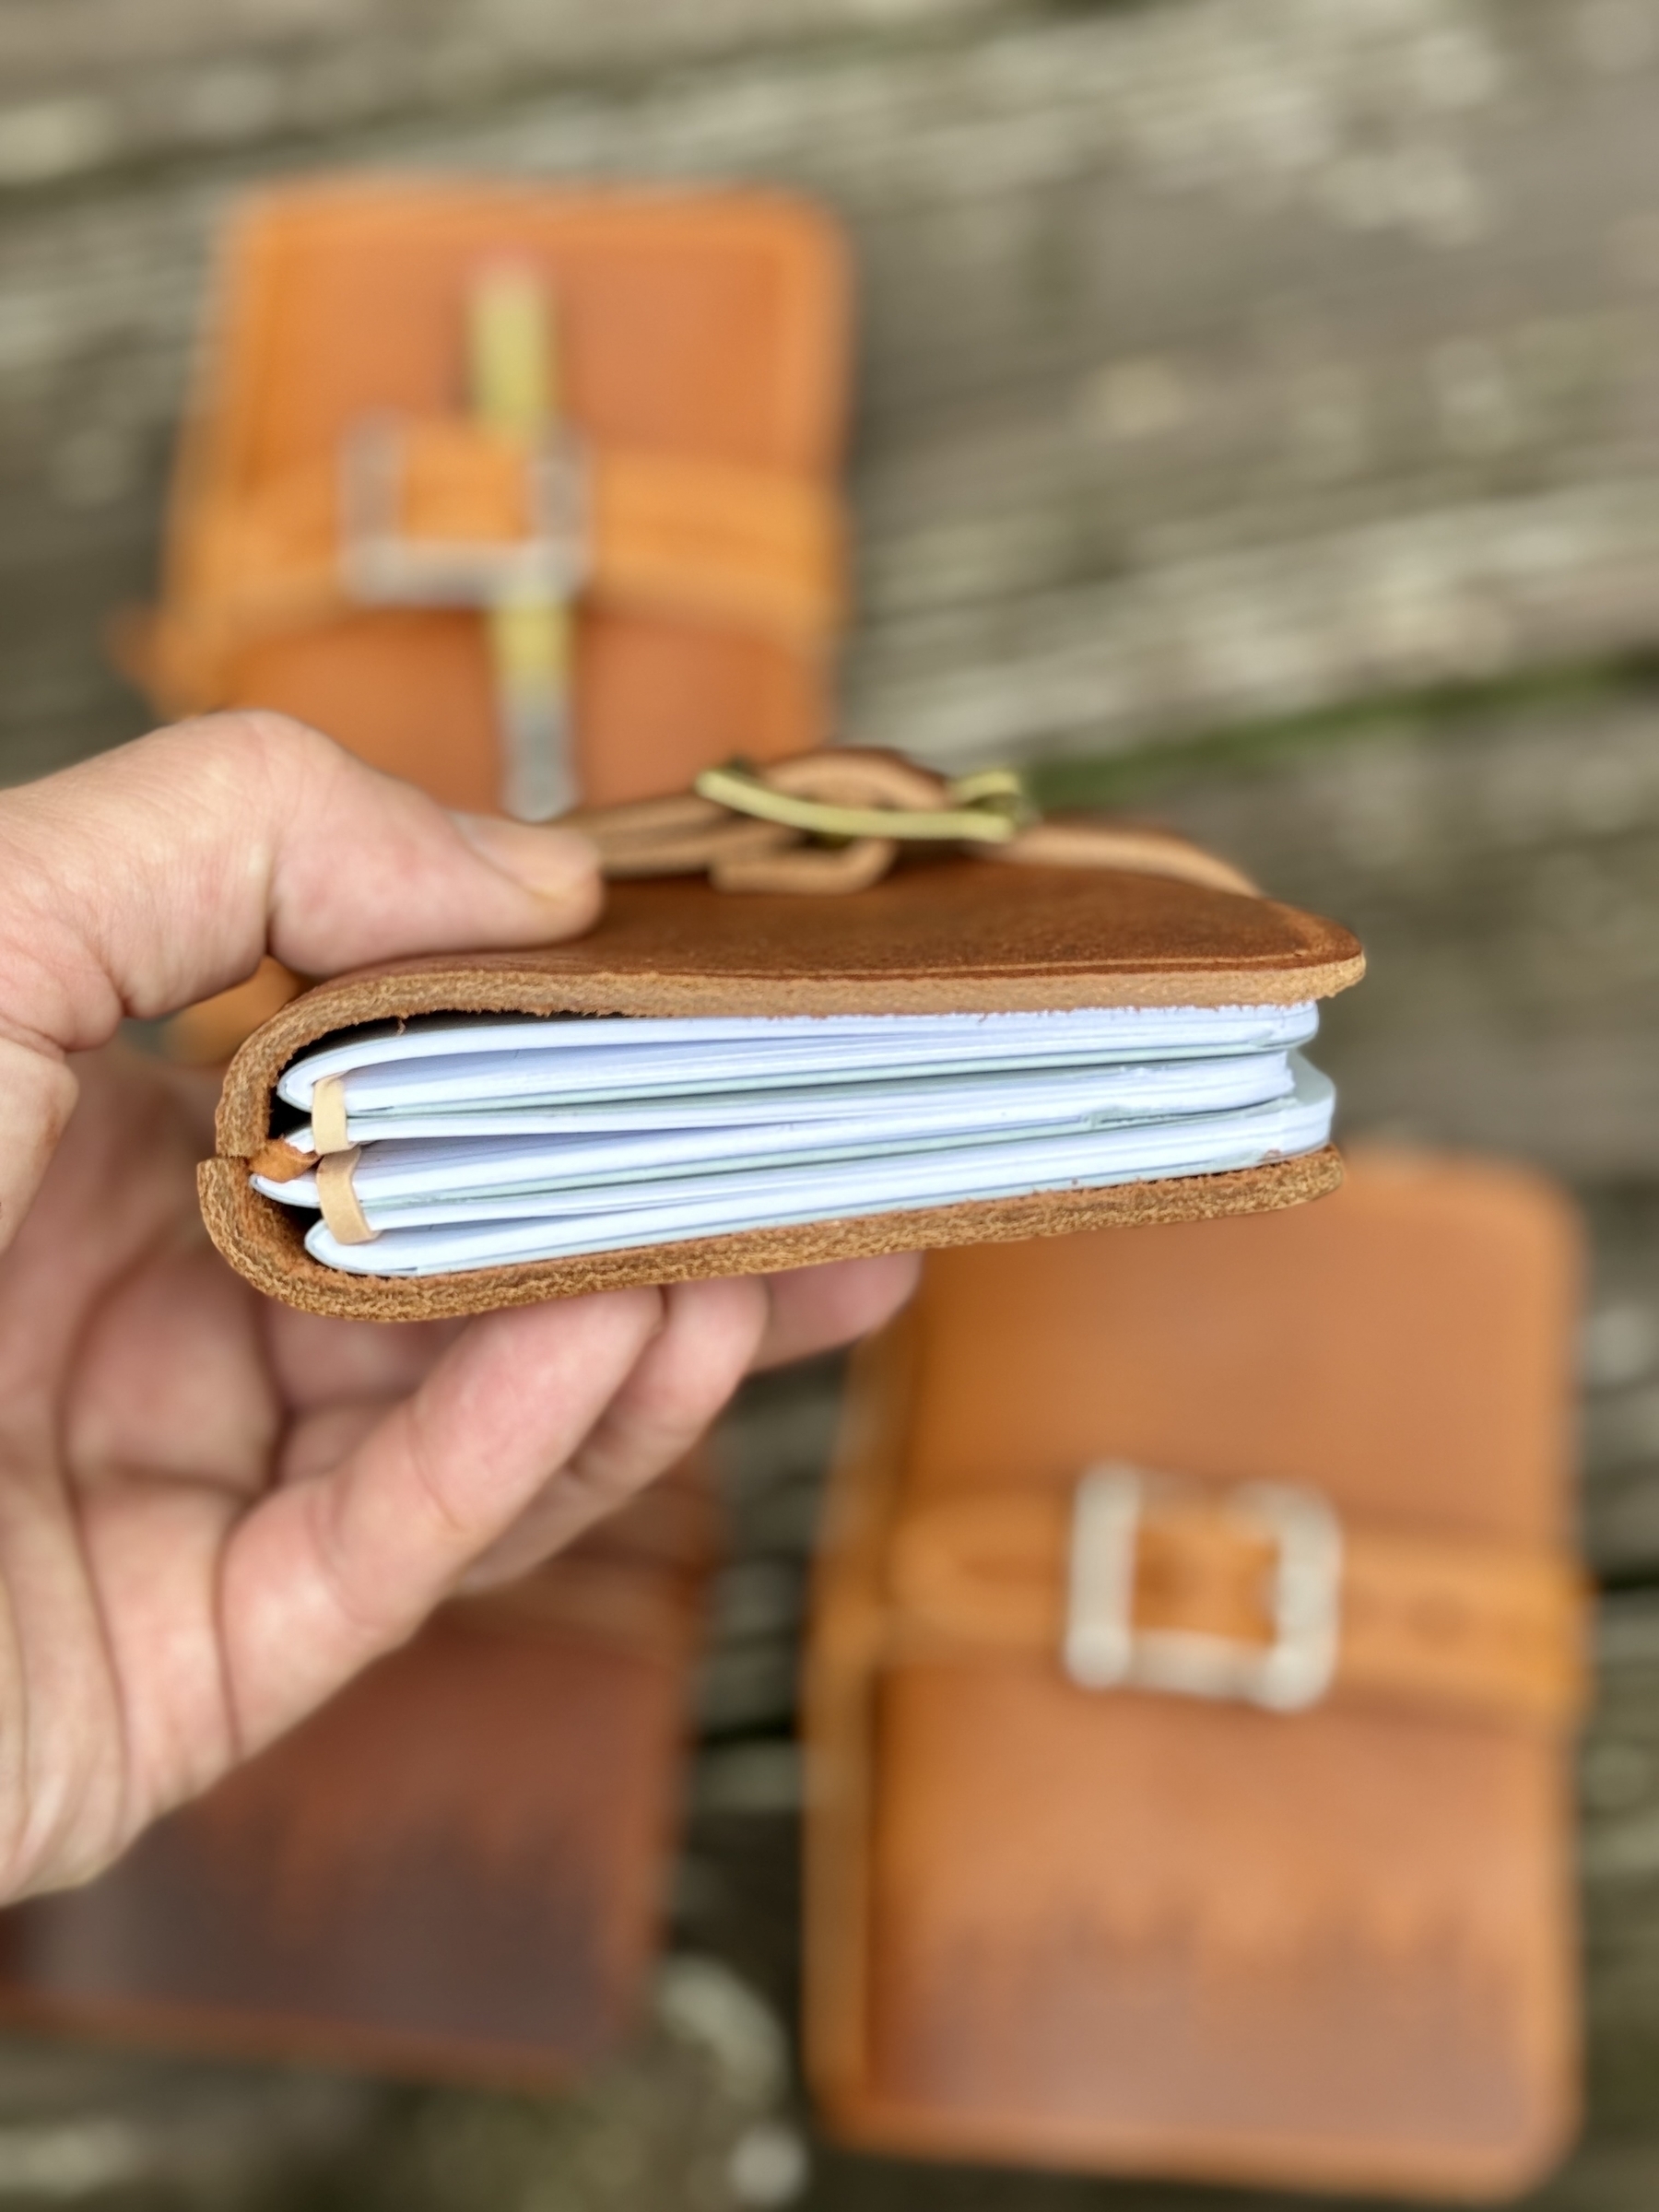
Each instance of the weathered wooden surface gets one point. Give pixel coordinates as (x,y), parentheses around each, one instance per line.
(1219,357)
(1501,870)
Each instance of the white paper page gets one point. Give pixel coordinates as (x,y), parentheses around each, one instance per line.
(691,1070)
(509,1058)
(707,1205)
(933,1104)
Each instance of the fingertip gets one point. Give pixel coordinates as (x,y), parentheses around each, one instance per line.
(815,1309)
(875,1289)
(559,867)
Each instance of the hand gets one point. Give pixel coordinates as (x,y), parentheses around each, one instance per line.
(214,1511)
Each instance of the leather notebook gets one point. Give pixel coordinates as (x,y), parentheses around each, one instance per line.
(529,496)
(1195,1653)
(1029,1049)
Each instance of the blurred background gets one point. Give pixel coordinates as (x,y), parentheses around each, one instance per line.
(1258,423)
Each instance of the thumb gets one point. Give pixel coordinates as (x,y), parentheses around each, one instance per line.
(160,874)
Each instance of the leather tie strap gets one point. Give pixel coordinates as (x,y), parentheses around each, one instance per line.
(1488,1628)
(456,517)
(835,821)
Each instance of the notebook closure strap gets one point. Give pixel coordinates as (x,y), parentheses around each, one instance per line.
(448,511)
(837,821)
(470,563)
(1258,1594)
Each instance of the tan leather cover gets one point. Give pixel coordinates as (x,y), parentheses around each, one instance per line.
(454,1870)
(1139,1931)
(703,340)
(936,936)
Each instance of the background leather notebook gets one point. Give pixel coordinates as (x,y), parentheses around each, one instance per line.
(746,1081)
(1195,1648)
(526,495)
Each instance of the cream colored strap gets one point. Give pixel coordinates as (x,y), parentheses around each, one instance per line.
(835,821)
(336,1193)
(328,1114)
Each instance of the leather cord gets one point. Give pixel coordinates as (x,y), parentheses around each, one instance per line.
(835,821)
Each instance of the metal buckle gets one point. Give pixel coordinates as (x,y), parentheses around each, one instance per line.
(382,567)
(1104,1650)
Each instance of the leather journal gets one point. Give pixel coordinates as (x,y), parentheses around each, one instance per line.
(1195,1656)
(1093,1025)
(529,496)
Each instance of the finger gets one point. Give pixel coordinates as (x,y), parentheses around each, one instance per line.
(317,1442)
(685,1374)
(815,1308)
(162,872)
(324,1574)
(320,1362)
(169,1380)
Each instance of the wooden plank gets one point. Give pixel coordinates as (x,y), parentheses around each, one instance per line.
(1503,870)
(92,86)
(1224,358)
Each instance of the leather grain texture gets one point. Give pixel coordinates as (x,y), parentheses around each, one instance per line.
(937,936)
(703,342)
(453,1871)
(1141,1932)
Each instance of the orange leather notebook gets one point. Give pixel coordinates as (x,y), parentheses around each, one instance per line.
(1195,1649)
(421,401)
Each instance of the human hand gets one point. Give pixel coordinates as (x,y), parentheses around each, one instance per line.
(213,1510)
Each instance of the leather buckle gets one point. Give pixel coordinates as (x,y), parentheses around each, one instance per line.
(381,566)
(1104,1650)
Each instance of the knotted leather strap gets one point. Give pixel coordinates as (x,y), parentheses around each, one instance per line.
(1480,1627)
(835,821)
(802,824)
(663,532)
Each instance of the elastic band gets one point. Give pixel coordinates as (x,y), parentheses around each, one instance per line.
(342,1213)
(328,1114)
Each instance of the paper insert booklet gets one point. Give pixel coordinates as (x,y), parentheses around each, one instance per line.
(478,1142)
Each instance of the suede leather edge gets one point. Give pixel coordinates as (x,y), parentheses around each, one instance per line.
(517,983)
(263,1241)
